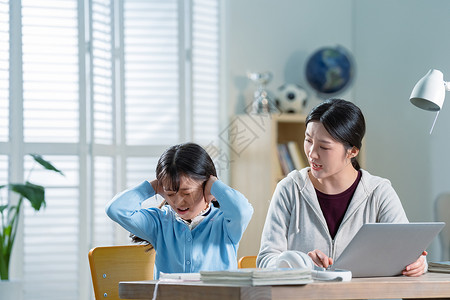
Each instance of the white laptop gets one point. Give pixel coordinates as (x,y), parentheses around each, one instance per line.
(385,249)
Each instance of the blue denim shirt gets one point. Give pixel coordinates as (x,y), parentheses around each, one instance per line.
(211,245)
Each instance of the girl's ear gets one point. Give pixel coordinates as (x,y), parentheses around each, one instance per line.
(352,152)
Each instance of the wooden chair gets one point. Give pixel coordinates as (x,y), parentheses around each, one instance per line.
(247,262)
(442,213)
(112,264)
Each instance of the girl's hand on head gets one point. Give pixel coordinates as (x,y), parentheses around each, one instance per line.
(207,190)
(417,268)
(320,259)
(158,187)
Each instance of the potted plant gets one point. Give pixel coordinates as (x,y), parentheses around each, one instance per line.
(10,213)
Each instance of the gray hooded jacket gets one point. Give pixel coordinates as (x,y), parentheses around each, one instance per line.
(295,221)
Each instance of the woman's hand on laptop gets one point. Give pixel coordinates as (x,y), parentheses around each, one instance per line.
(418,267)
(320,259)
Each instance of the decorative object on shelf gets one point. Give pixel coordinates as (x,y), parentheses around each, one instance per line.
(262,102)
(429,92)
(330,70)
(291,98)
(10,212)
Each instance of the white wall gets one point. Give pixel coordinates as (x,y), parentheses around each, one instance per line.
(394,44)
(279,36)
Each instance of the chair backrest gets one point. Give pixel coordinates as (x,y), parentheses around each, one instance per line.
(247,262)
(442,212)
(112,264)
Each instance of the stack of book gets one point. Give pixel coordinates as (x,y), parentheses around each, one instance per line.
(439,266)
(179,276)
(257,277)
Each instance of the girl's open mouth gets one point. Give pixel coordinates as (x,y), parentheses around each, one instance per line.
(182,210)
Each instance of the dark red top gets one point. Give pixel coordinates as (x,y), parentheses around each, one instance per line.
(334,206)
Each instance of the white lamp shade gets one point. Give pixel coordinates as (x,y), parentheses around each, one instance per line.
(429,91)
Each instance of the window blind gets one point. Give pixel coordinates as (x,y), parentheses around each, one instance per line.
(51,235)
(3,178)
(205,69)
(102,53)
(151,72)
(103,231)
(135,72)
(50,70)
(102,69)
(4,69)
(140,169)
(51,115)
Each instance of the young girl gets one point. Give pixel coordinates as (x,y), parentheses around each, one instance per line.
(319,209)
(189,234)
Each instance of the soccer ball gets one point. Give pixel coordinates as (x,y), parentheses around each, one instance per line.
(291,98)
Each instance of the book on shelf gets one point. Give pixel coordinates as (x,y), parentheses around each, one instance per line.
(439,266)
(297,158)
(287,165)
(258,276)
(282,160)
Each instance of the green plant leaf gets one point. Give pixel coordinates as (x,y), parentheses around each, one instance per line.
(45,163)
(34,193)
(6,207)
(7,231)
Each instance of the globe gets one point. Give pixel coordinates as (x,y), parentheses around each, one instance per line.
(330,70)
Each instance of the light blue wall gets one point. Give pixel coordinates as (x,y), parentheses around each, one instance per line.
(394,44)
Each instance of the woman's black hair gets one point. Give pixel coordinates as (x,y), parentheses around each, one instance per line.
(343,120)
(188,159)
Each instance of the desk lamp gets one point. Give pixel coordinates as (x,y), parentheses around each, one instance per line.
(429,92)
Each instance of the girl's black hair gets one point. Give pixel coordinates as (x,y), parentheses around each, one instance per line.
(188,159)
(343,120)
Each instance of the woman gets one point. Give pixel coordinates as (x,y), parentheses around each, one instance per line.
(189,234)
(319,209)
